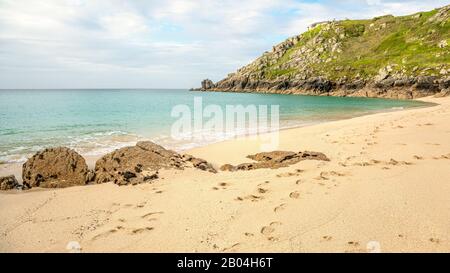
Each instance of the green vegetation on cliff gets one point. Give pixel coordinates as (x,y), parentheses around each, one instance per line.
(407,46)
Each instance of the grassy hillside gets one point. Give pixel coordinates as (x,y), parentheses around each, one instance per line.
(355,50)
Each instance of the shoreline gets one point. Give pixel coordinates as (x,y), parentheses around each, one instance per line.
(386,181)
(15,168)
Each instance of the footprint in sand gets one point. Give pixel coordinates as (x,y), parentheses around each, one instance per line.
(418,157)
(434,144)
(231,247)
(435,240)
(262,190)
(294,195)
(326,175)
(289,174)
(279,208)
(353,243)
(251,197)
(147,215)
(104,234)
(395,162)
(327,238)
(141,230)
(426,124)
(141,205)
(221,185)
(269,230)
(321,176)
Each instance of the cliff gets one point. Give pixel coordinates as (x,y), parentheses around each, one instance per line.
(387,56)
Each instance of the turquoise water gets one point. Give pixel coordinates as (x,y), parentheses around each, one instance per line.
(98,121)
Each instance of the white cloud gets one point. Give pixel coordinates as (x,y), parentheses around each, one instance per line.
(173,43)
(123,25)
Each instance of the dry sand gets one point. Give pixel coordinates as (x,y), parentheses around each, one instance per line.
(388,182)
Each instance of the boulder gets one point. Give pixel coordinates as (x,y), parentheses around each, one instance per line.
(55,168)
(140,163)
(207,84)
(8,183)
(275,160)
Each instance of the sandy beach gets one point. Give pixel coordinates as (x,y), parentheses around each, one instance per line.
(387,184)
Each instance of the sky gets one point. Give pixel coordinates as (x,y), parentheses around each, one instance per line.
(154,43)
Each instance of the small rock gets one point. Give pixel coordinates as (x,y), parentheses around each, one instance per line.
(151,177)
(128,175)
(90,176)
(207,84)
(8,183)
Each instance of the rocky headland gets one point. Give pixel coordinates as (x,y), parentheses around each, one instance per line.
(390,57)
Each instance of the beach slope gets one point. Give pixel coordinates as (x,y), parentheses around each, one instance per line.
(386,188)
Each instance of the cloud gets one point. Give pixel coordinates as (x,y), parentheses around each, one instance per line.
(149,44)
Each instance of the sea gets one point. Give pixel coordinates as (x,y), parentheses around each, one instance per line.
(97,121)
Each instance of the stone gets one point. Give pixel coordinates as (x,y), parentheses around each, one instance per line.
(8,183)
(202,165)
(90,176)
(207,84)
(141,163)
(275,160)
(55,168)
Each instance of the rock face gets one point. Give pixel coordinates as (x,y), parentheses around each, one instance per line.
(8,183)
(55,168)
(275,160)
(207,84)
(361,58)
(199,163)
(141,163)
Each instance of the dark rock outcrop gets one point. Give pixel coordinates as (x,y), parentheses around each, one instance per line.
(55,168)
(275,160)
(199,163)
(141,163)
(207,84)
(8,183)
